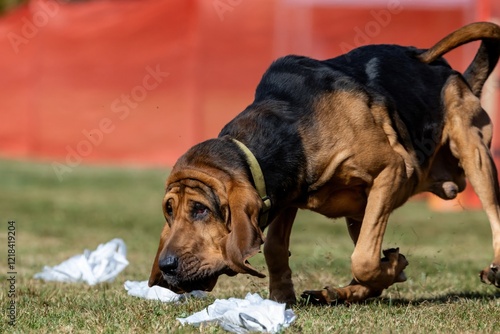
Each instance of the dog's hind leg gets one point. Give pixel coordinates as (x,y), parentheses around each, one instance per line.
(367,268)
(276,252)
(371,274)
(469,131)
(355,291)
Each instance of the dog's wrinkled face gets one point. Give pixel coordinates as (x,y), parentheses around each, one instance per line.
(211,229)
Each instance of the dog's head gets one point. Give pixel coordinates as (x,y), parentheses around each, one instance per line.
(211,229)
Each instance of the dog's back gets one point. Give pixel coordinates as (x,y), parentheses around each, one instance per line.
(406,80)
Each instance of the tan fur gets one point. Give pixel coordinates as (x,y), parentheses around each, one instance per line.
(360,164)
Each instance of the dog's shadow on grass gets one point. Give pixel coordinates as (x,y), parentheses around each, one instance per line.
(454,297)
(448,298)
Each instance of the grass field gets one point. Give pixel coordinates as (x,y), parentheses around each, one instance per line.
(55,220)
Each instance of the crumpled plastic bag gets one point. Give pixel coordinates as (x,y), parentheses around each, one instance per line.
(142,290)
(101,265)
(252,314)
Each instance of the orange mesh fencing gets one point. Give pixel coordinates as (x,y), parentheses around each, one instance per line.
(139,82)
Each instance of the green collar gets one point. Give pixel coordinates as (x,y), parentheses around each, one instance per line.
(260,183)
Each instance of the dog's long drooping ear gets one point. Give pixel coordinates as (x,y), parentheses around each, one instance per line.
(156,277)
(245,237)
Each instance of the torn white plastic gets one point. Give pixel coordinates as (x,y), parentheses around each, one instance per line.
(101,265)
(252,314)
(142,290)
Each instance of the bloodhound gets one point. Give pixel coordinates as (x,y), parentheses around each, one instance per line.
(353,136)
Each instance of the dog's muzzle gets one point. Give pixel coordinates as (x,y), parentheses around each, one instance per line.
(185,275)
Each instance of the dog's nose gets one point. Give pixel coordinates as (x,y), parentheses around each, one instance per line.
(169,264)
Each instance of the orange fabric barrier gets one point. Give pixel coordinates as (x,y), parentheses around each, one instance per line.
(141,81)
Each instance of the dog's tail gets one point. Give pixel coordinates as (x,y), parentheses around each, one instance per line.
(486,57)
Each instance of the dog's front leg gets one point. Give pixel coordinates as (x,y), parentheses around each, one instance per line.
(276,252)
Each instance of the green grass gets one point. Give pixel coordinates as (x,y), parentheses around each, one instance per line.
(55,220)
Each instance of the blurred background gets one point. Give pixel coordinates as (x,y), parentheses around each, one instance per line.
(129,82)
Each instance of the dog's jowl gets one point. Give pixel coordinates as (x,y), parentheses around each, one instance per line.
(353,136)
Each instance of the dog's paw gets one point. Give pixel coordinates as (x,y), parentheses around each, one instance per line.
(286,297)
(320,297)
(397,262)
(491,275)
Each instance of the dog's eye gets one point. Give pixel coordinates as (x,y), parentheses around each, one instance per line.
(168,208)
(199,211)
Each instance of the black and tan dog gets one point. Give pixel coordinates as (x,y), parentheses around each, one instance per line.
(353,136)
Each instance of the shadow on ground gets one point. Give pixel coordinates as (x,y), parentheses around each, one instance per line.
(443,299)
